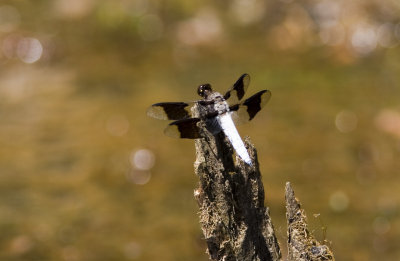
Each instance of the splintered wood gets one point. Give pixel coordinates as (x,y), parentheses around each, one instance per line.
(302,245)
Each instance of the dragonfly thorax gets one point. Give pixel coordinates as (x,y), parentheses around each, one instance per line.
(221,107)
(218,104)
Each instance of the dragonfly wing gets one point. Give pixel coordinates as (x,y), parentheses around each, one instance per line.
(170,110)
(237,91)
(185,129)
(247,110)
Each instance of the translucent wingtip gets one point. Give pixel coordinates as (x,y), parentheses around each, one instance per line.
(157,112)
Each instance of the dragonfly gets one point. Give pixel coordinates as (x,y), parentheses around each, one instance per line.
(219,112)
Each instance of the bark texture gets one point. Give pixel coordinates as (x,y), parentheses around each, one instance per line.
(302,246)
(235,222)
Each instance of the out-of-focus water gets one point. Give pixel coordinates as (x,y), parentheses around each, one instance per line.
(85,175)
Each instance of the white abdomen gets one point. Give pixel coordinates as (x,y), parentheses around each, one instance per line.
(229,128)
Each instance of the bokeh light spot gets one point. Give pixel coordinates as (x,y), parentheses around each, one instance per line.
(388,121)
(139,177)
(203,29)
(29,50)
(294,31)
(339,201)
(364,39)
(327,13)
(346,121)
(142,159)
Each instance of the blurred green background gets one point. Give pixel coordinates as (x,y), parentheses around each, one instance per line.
(86,175)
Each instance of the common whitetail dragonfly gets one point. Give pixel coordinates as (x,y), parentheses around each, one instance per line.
(216,112)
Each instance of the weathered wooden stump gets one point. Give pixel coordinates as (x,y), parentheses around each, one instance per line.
(235,222)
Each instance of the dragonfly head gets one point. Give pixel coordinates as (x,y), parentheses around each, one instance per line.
(204,90)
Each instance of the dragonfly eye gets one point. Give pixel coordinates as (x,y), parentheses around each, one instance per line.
(204,90)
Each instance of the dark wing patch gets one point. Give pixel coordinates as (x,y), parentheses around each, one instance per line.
(237,91)
(255,103)
(248,109)
(186,129)
(169,110)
